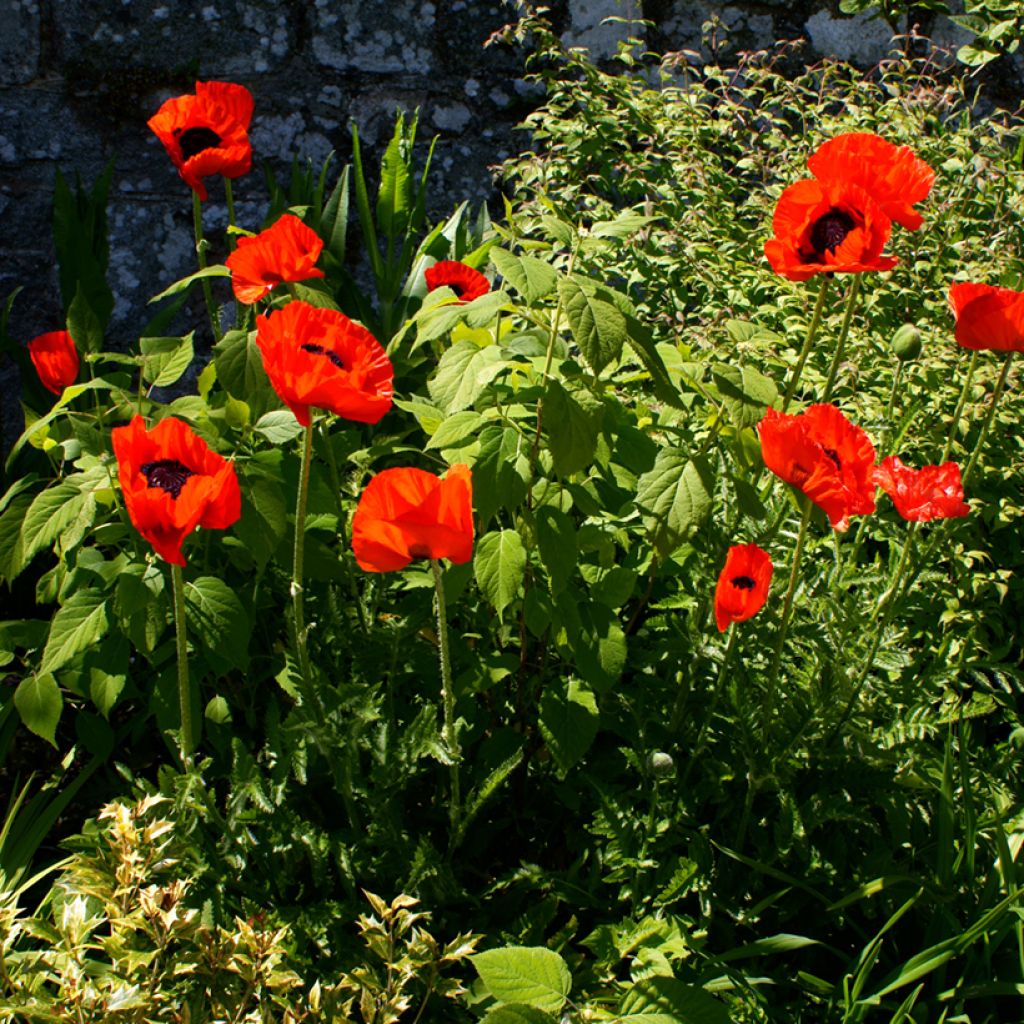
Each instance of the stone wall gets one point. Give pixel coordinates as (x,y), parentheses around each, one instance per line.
(79,78)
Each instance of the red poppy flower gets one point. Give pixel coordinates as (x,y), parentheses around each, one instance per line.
(823,454)
(988,317)
(742,584)
(892,175)
(207,133)
(408,513)
(56,360)
(286,251)
(172,483)
(830,226)
(467,283)
(321,358)
(920,495)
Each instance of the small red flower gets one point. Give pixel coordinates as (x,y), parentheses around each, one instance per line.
(467,283)
(321,358)
(742,585)
(207,133)
(920,495)
(286,251)
(829,226)
(988,317)
(172,483)
(56,360)
(892,175)
(408,513)
(824,455)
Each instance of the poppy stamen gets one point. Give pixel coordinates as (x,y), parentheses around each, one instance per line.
(167,474)
(743,582)
(194,140)
(319,350)
(829,231)
(834,456)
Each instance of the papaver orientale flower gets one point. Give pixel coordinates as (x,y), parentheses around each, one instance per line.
(207,133)
(988,317)
(467,283)
(742,584)
(820,452)
(172,482)
(56,360)
(409,513)
(320,358)
(920,495)
(286,251)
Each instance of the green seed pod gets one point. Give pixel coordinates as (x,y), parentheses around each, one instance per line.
(906,343)
(661,763)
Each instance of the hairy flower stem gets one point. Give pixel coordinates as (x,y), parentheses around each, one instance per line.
(201,247)
(964,392)
(184,690)
(449,731)
(229,198)
(833,370)
(787,610)
(812,332)
(989,418)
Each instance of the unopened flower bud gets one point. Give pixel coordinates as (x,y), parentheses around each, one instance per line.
(661,763)
(906,343)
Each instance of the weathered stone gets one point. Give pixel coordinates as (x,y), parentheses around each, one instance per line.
(588,26)
(379,38)
(860,39)
(19,42)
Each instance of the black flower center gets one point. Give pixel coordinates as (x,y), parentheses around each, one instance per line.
(833,455)
(195,140)
(167,474)
(743,582)
(828,231)
(319,350)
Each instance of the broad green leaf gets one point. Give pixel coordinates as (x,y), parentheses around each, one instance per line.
(105,688)
(500,471)
(240,365)
(532,975)
(40,425)
(217,710)
(745,392)
(499,563)
(186,282)
(599,646)
(626,224)
(83,324)
(394,197)
(39,704)
(11,543)
(49,515)
(556,541)
(568,723)
(463,373)
(279,426)
(571,429)
(456,430)
(517,1013)
(75,628)
(658,1000)
(532,278)
(676,495)
(598,327)
(166,359)
(216,617)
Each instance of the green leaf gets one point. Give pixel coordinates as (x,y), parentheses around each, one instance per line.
(463,373)
(556,541)
(84,325)
(11,543)
(499,563)
(571,429)
(532,975)
(598,327)
(38,426)
(676,494)
(660,1000)
(532,278)
(39,703)
(500,471)
(166,359)
(278,426)
(217,711)
(216,617)
(456,430)
(745,393)
(186,282)
(568,723)
(104,689)
(240,366)
(394,197)
(49,515)
(517,1013)
(75,628)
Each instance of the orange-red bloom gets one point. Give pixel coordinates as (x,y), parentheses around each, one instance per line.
(207,133)
(892,175)
(988,317)
(321,358)
(823,454)
(286,251)
(742,584)
(408,513)
(172,483)
(56,360)
(920,495)
(830,226)
(467,283)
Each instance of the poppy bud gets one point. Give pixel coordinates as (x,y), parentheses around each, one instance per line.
(906,343)
(56,360)
(661,764)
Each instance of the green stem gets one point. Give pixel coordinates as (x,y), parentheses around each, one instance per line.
(812,331)
(449,731)
(996,395)
(184,690)
(833,371)
(229,196)
(964,391)
(201,246)
(299,550)
(890,407)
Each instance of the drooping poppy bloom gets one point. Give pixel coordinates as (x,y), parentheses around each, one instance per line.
(56,360)
(742,585)
(893,176)
(286,251)
(409,513)
(321,358)
(172,483)
(988,317)
(920,495)
(829,226)
(467,283)
(207,133)
(820,452)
